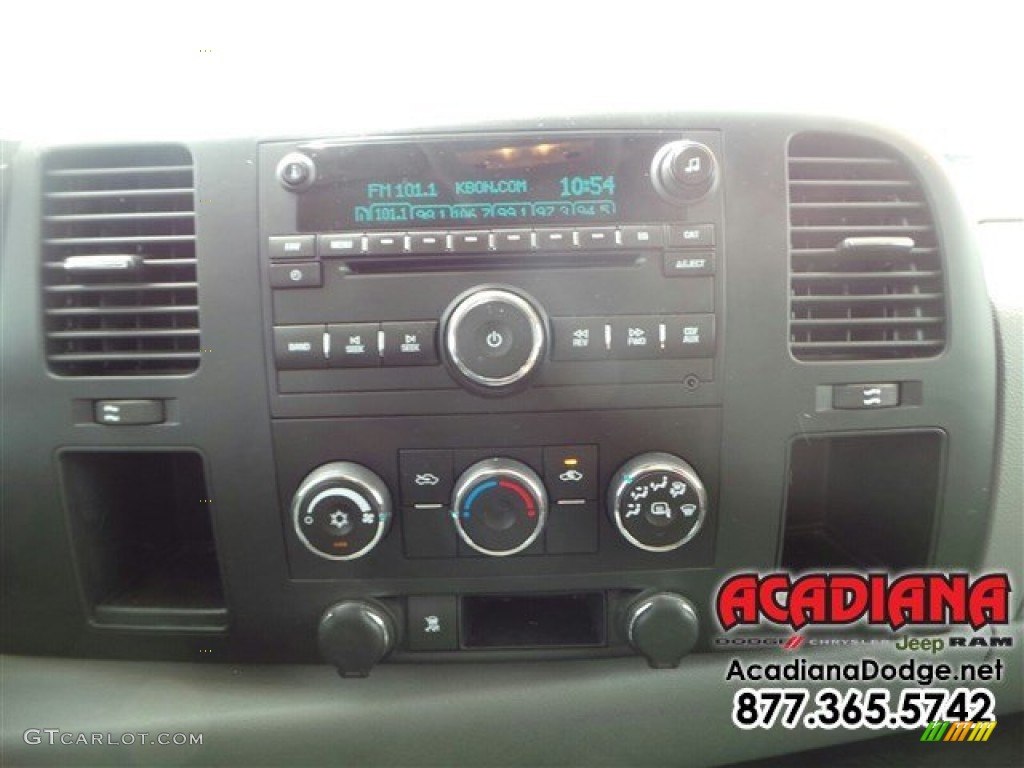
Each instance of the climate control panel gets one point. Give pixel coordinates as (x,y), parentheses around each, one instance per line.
(499,506)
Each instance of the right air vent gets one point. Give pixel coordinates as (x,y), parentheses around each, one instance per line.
(866,277)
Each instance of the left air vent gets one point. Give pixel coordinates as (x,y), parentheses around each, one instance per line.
(119,261)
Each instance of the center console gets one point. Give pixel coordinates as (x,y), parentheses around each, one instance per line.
(555,297)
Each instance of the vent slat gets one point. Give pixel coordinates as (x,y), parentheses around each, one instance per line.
(118,287)
(885,161)
(865,322)
(866,298)
(862,277)
(93,194)
(852,230)
(157,262)
(104,357)
(860,302)
(123,170)
(137,202)
(858,206)
(115,310)
(842,346)
(143,239)
(131,333)
(840,183)
(102,217)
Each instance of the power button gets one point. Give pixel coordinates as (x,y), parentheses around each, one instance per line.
(494,340)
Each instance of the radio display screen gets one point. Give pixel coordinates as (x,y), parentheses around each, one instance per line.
(493,181)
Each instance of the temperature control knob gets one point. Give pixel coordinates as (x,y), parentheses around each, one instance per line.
(657,502)
(499,507)
(683,171)
(341,511)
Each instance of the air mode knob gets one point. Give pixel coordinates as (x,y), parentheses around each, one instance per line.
(341,511)
(499,507)
(683,171)
(657,501)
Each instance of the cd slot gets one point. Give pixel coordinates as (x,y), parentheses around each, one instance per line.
(482,262)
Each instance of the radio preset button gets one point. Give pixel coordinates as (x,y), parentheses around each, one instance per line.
(555,239)
(642,236)
(428,242)
(292,247)
(636,338)
(305,275)
(513,240)
(689,263)
(597,238)
(385,243)
(578,338)
(691,235)
(354,345)
(690,336)
(335,246)
(409,343)
(470,242)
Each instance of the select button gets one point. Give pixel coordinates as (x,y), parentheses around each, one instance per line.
(689,263)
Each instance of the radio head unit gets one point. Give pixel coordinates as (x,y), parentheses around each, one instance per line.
(520,265)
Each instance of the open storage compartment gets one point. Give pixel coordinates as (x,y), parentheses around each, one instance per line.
(143,538)
(862,501)
(533,621)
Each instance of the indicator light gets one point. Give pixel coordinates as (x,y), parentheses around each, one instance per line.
(571,462)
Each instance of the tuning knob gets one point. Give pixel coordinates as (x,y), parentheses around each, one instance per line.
(683,171)
(354,635)
(657,501)
(341,511)
(494,340)
(663,627)
(499,507)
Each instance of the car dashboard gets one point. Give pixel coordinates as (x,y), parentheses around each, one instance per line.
(485,414)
